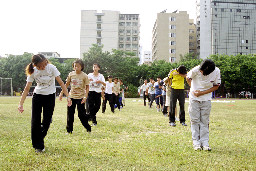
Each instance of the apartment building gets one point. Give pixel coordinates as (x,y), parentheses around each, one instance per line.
(226,27)
(192,37)
(170,36)
(111,30)
(147,57)
(50,54)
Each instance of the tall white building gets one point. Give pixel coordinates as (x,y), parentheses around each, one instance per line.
(147,57)
(226,27)
(109,29)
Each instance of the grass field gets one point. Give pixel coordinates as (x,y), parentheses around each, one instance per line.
(136,138)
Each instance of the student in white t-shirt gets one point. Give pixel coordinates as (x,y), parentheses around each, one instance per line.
(94,96)
(44,74)
(203,80)
(108,95)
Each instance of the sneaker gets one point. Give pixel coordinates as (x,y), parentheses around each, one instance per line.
(39,150)
(68,133)
(197,147)
(184,124)
(172,124)
(94,124)
(177,119)
(206,148)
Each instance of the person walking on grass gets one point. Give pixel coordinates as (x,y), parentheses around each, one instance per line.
(203,80)
(145,92)
(177,93)
(79,84)
(44,74)
(116,92)
(94,97)
(158,94)
(108,95)
(151,91)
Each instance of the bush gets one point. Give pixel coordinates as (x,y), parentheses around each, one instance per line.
(132,92)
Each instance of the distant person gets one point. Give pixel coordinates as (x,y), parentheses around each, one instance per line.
(108,95)
(97,80)
(151,91)
(44,74)
(79,84)
(145,92)
(203,80)
(116,92)
(121,95)
(177,76)
(158,94)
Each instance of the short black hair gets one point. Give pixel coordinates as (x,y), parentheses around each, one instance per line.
(97,64)
(110,76)
(80,62)
(182,69)
(207,66)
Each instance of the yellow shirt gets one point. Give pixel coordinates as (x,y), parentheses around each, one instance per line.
(177,80)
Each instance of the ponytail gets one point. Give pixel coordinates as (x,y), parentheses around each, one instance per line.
(29,69)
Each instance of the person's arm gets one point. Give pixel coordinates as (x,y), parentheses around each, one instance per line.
(198,93)
(188,81)
(86,94)
(23,96)
(64,89)
(61,93)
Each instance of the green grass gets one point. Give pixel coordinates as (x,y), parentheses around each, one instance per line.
(136,138)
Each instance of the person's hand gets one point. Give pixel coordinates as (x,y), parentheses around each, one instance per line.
(197,93)
(98,82)
(60,97)
(83,100)
(69,101)
(20,108)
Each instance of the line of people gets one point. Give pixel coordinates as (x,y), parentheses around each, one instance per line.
(203,80)
(84,89)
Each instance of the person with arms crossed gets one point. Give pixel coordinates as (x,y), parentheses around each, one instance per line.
(203,80)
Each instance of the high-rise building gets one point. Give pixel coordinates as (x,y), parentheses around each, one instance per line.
(170,36)
(226,27)
(147,57)
(111,30)
(192,37)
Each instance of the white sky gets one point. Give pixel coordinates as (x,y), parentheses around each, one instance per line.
(54,25)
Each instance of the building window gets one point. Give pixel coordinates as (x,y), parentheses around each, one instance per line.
(121,31)
(128,24)
(128,46)
(172,26)
(190,37)
(128,31)
(121,45)
(222,10)
(172,35)
(135,38)
(247,41)
(246,47)
(98,26)
(172,19)
(99,18)
(238,10)
(172,43)
(121,24)
(134,46)
(191,31)
(172,59)
(128,39)
(173,51)
(121,38)
(134,31)
(135,24)
(230,10)
(246,17)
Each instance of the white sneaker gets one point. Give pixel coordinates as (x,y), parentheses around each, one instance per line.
(177,119)
(206,148)
(197,147)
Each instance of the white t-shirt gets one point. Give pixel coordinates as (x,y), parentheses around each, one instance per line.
(93,86)
(45,79)
(109,87)
(151,89)
(144,87)
(201,82)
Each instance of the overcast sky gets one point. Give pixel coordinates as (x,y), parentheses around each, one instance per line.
(54,25)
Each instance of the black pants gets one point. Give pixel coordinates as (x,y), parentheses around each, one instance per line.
(39,128)
(109,98)
(152,98)
(165,107)
(177,94)
(81,114)
(94,100)
(145,97)
(116,100)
